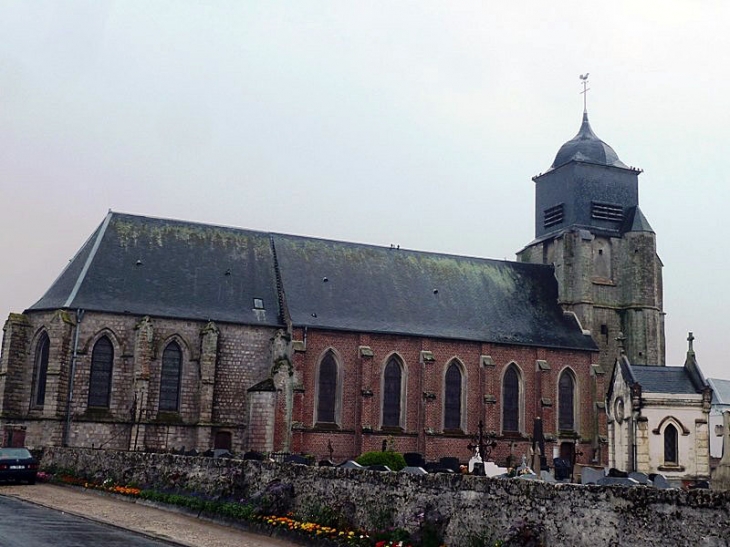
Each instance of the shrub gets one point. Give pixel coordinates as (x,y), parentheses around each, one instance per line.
(394,460)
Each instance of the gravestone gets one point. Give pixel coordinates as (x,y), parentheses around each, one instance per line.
(476,462)
(641,478)
(296,458)
(491,469)
(414,459)
(477,468)
(591,476)
(450,463)
(659,481)
(547,476)
(378,467)
(721,474)
(562,469)
(613,472)
(414,470)
(617,481)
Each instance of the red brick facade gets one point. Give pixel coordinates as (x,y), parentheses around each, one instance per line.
(361,359)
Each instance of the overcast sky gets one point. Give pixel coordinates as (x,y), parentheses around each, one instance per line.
(413,123)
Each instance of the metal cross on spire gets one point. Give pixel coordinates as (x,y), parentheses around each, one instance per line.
(584,78)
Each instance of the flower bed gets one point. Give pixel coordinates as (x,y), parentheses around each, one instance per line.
(246,512)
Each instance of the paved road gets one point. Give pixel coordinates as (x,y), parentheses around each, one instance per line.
(155,523)
(24,524)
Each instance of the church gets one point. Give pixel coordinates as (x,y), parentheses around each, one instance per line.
(164,334)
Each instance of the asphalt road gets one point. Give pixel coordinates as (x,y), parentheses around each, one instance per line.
(24,524)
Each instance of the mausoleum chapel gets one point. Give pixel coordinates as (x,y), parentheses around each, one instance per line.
(171,335)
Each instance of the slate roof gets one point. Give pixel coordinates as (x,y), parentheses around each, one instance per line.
(169,268)
(662,379)
(720,391)
(587,147)
(347,286)
(636,222)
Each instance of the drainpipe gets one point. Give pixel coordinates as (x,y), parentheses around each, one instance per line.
(70,393)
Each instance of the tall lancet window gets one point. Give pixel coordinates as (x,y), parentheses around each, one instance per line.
(392,384)
(40,370)
(671,445)
(170,378)
(327,390)
(566,402)
(511,400)
(452,397)
(100,380)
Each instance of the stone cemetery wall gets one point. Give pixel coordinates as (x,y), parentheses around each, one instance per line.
(468,506)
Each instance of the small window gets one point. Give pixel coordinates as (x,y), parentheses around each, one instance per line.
(258,304)
(40,370)
(170,377)
(671,448)
(100,380)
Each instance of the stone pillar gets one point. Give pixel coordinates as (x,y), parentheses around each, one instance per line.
(143,355)
(721,474)
(283,376)
(702,449)
(14,385)
(60,334)
(208,359)
(428,417)
(642,446)
(363,392)
(600,419)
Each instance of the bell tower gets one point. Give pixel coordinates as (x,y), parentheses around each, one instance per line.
(588,225)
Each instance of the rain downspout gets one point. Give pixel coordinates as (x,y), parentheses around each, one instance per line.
(70,394)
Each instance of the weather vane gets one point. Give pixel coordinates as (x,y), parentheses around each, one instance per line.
(584,78)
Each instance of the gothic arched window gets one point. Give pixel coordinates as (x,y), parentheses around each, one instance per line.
(452,397)
(170,377)
(327,390)
(566,402)
(511,400)
(40,370)
(392,382)
(671,448)
(100,380)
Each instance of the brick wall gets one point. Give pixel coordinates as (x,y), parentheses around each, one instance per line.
(359,423)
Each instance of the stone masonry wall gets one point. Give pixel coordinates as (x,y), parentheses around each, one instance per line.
(571,514)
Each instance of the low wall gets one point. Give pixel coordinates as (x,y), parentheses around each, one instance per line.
(472,506)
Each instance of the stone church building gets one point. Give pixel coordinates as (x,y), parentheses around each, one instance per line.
(162,334)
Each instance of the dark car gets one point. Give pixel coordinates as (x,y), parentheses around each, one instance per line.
(17,464)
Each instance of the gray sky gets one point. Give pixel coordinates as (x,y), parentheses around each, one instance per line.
(414,123)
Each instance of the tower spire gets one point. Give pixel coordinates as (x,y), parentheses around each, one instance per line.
(584,79)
